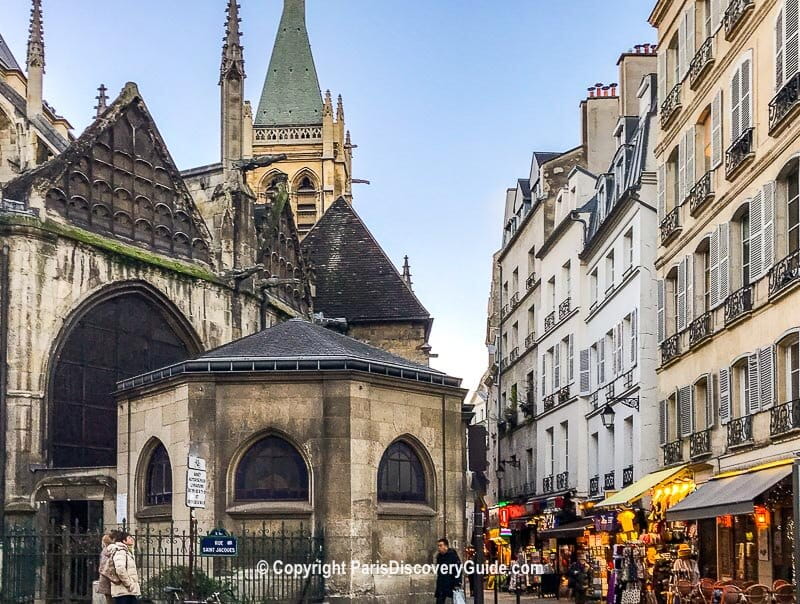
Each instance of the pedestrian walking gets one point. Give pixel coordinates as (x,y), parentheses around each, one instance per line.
(104,583)
(580,578)
(448,578)
(126,589)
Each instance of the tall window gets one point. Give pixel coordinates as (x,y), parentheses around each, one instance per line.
(627,244)
(593,285)
(610,276)
(793,371)
(401,477)
(551,451)
(705,128)
(744,224)
(793,210)
(158,481)
(271,470)
(741,389)
(565,440)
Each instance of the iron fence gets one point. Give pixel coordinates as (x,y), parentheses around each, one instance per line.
(60,564)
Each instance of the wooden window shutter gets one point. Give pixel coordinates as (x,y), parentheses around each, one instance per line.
(753,403)
(766,374)
(716,130)
(724,395)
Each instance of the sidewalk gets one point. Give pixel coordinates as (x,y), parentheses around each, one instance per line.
(506,598)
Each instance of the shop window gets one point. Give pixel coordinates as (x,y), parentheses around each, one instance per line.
(158,484)
(271,470)
(401,475)
(737,546)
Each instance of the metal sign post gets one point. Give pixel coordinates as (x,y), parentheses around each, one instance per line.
(196,480)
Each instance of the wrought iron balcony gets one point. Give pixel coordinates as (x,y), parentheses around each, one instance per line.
(530,340)
(594,486)
(513,355)
(627,476)
(784,103)
(530,281)
(701,328)
(563,309)
(504,310)
(701,192)
(562,481)
(527,409)
(548,484)
(593,400)
(609,391)
(734,15)
(670,226)
(673,452)
(563,395)
(671,104)
(700,443)
(670,348)
(784,418)
(550,321)
(503,363)
(703,59)
(784,273)
(514,300)
(739,152)
(738,303)
(502,425)
(627,379)
(609,481)
(549,402)
(740,431)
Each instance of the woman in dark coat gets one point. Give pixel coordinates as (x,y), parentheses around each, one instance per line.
(447,571)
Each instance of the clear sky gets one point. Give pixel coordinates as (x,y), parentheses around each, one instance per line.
(446,100)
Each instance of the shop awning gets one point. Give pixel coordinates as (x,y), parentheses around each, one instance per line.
(569,529)
(728,494)
(639,488)
(498,541)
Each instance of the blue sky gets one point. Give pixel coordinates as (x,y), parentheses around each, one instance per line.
(446,100)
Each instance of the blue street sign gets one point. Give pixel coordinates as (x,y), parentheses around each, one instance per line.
(219,546)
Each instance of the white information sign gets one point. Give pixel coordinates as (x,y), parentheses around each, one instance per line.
(196,480)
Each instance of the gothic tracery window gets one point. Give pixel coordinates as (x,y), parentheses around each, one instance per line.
(271,470)
(158,481)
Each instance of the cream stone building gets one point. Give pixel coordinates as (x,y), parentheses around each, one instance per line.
(728,261)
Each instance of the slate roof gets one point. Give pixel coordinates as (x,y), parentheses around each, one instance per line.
(291,94)
(48,133)
(297,345)
(545,156)
(7,60)
(355,279)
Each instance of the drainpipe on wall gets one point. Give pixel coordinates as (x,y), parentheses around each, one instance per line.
(4,309)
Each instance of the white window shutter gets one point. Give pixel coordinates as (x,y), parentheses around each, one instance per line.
(621,347)
(769,225)
(736,104)
(663,422)
(685,410)
(766,374)
(747,93)
(691,175)
(662,192)
(634,336)
(711,390)
(724,395)
(682,46)
(690,38)
(544,374)
(681,297)
(662,319)
(791,26)
(585,372)
(724,276)
(716,130)
(682,190)
(689,288)
(756,237)
(557,366)
(779,54)
(571,360)
(753,403)
(601,363)
(662,74)
(713,269)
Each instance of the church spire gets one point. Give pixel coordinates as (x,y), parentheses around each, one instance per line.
(407,273)
(35,61)
(231,82)
(291,94)
(102,100)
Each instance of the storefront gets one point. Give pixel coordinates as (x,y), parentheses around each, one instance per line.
(744,521)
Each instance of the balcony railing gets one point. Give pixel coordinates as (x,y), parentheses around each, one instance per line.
(784,418)
(738,303)
(670,226)
(503,363)
(525,489)
(739,152)
(514,300)
(548,484)
(562,481)
(550,321)
(671,104)
(530,340)
(700,193)
(701,328)
(504,310)
(784,103)
(734,15)
(740,431)
(673,453)
(609,391)
(530,281)
(670,348)
(594,486)
(608,481)
(700,443)
(513,355)
(563,309)
(785,272)
(563,395)
(627,379)
(593,400)
(549,402)
(703,59)
(627,476)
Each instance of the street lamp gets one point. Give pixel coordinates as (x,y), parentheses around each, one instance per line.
(607,416)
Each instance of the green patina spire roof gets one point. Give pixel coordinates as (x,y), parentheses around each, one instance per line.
(291,94)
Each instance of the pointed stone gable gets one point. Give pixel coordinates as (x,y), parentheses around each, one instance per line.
(354,277)
(119,180)
(291,94)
